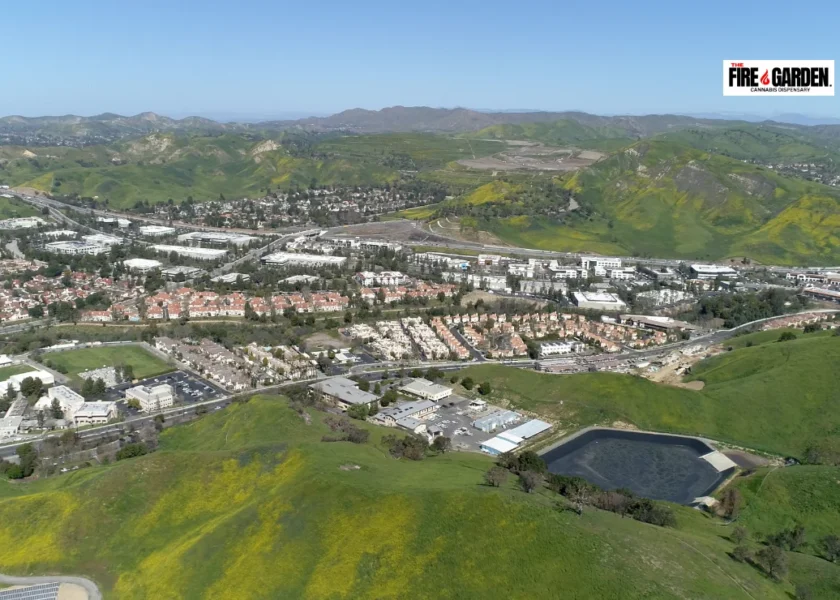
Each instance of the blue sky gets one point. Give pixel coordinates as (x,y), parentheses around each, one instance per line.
(254,58)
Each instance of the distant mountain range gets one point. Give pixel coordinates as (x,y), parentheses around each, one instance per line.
(109,127)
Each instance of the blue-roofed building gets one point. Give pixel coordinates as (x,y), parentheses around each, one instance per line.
(41,591)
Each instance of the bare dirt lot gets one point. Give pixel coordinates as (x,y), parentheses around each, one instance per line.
(324,341)
(532,156)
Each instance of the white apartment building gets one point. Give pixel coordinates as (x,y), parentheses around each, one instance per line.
(389,278)
(152,399)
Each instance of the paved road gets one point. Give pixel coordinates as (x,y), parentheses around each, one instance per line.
(90,587)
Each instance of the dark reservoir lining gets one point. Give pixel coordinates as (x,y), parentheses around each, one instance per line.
(652,465)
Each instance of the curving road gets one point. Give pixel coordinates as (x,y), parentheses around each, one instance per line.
(89,586)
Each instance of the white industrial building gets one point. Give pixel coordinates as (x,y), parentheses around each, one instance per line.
(103,239)
(509,440)
(141,265)
(217,237)
(15,380)
(191,252)
(295,259)
(423,388)
(699,271)
(69,401)
(155,230)
(599,301)
(120,222)
(408,415)
(10,426)
(152,399)
(95,413)
(75,247)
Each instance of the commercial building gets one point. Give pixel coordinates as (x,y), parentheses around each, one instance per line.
(423,388)
(75,247)
(122,223)
(102,239)
(69,401)
(22,223)
(191,252)
(343,392)
(822,294)
(599,301)
(605,262)
(408,415)
(10,426)
(509,440)
(233,278)
(307,260)
(142,265)
(187,272)
(155,230)
(95,413)
(152,399)
(216,237)
(496,446)
(656,323)
(699,271)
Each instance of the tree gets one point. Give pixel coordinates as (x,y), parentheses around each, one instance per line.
(530,480)
(133,403)
(31,387)
(739,535)
(358,411)
(98,387)
(55,409)
(485,388)
(787,336)
(803,592)
(442,444)
(87,388)
(453,379)
(741,553)
(774,561)
(388,397)
(128,372)
(468,383)
(364,385)
(496,476)
(831,547)
(28,460)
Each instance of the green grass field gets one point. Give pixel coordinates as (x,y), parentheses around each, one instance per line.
(776,397)
(78,361)
(6,372)
(249,503)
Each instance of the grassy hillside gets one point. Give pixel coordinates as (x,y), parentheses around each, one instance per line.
(408,150)
(662,198)
(778,397)
(560,133)
(11,208)
(248,503)
(763,142)
(162,166)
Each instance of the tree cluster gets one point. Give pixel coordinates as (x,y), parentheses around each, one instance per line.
(346,431)
(412,447)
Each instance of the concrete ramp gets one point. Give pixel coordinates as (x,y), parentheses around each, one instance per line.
(719,461)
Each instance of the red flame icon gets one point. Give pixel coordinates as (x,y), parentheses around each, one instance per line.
(765,79)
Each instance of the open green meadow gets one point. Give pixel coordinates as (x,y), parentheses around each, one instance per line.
(77,361)
(249,503)
(777,397)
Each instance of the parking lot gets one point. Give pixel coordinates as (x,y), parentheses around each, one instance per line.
(455,418)
(189,389)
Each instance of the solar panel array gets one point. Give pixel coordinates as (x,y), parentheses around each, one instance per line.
(42,591)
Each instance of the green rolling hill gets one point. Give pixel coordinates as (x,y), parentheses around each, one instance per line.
(664,198)
(564,132)
(249,503)
(775,397)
